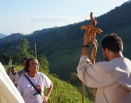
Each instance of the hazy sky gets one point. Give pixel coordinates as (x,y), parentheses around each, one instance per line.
(27,16)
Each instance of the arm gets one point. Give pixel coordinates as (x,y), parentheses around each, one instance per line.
(87,72)
(17,77)
(49,90)
(87,39)
(90,74)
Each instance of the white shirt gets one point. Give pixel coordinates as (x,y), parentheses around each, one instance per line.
(8,92)
(27,90)
(112,79)
(12,77)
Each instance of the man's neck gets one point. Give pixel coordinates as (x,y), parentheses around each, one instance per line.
(14,73)
(116,55)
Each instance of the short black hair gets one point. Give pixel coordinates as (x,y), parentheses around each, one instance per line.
(113,42)
(27,64)
(13,67)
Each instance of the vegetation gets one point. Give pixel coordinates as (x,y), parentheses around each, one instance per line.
(64,92)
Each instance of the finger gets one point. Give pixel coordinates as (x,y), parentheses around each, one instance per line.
(91,37)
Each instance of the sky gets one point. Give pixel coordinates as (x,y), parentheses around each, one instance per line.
(27,16)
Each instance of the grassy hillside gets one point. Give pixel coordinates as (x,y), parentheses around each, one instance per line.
(67,61)
(64,92)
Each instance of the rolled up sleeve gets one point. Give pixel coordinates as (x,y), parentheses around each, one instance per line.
(90,74)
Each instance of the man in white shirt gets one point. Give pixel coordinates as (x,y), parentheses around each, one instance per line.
(21,72)
(8,92)
(13,74)
(112,77)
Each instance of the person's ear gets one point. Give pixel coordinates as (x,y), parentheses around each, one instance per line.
(107,50)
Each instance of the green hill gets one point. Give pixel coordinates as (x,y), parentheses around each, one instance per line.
(64,92)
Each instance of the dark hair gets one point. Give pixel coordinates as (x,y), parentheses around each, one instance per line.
(27,64)
(113,42)
(13,67)
(25,58)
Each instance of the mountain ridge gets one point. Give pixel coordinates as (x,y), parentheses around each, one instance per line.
(2,35)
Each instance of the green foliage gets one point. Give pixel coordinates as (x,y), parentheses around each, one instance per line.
(76,82)
(23,50)
(44,63)
(64,92)
(9,48)
(7,52)
(74,79)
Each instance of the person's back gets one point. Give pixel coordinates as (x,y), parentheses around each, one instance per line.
(115,81)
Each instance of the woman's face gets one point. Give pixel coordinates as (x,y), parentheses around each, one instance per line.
(34,66)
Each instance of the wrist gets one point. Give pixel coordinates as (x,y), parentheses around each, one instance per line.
(46,96)
(86,46)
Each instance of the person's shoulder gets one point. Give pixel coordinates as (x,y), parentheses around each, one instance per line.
(41,74)
(127,59)
(21,72)
(22,77)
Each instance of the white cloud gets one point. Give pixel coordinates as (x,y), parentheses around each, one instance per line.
(53,19)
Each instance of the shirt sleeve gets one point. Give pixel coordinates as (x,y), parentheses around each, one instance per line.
(17,77)
(47,81)
(90,74)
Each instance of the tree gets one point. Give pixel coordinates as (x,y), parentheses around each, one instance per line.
(9,49)
(6,53)
(44,64)
(74,79)
(23,49)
